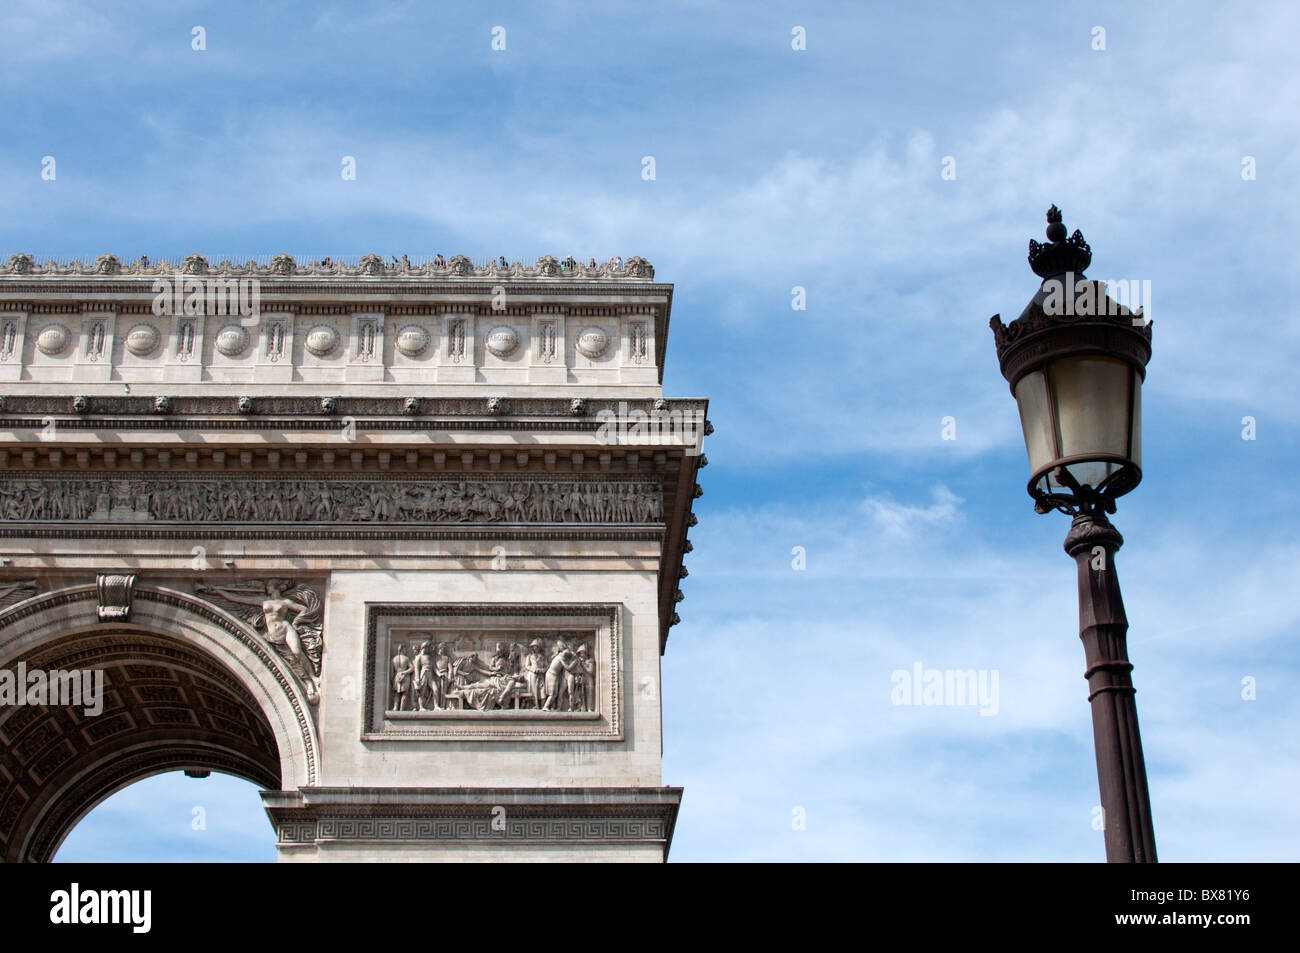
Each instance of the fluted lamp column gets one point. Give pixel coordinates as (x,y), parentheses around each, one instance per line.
(1076,360)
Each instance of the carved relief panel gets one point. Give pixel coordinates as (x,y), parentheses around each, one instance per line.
(367,338)
(13,328)
(457,360)
(275,337)
(494,672)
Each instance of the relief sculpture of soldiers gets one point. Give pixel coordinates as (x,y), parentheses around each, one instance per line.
(463,674)
(324,501)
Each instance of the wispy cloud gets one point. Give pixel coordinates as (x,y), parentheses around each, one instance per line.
(818,170)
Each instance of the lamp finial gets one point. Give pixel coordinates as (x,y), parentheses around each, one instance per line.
(1059,256)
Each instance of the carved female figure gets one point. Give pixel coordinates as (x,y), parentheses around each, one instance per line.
(280,630)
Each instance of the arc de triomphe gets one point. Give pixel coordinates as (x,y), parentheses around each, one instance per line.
(401,545)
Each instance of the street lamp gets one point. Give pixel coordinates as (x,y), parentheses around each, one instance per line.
(1076,359)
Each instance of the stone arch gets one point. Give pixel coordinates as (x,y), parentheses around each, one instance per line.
(186,686)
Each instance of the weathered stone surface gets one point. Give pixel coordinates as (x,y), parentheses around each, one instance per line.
(404,559)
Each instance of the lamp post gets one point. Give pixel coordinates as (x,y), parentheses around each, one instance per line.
(1076,359)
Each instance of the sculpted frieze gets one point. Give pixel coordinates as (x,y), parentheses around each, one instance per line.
(240,500)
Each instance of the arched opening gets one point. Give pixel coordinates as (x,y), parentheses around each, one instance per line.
(175,818)
(184,687)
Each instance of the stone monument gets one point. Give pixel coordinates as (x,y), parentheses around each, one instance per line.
(400,544)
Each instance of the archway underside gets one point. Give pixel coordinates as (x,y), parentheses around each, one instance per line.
(166,706)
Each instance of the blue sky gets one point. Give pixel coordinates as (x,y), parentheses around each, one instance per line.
(775,168)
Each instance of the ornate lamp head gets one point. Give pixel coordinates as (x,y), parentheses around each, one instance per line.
(1075,360)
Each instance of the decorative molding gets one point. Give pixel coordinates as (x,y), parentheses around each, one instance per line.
(548,348)
(195,265)
(135,533)
(114,595)
(107,265)
(199,412)
(22,264)
(11,332)
(479,816)
(636,335)
(457,330)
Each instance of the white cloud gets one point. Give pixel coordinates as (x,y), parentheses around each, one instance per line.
(901,519)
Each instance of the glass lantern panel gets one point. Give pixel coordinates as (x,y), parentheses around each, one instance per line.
(1036,420)
(1093,413)
(1136,454)
(1089,472)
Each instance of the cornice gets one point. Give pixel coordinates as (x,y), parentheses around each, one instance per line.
(312,413)
(575,817)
